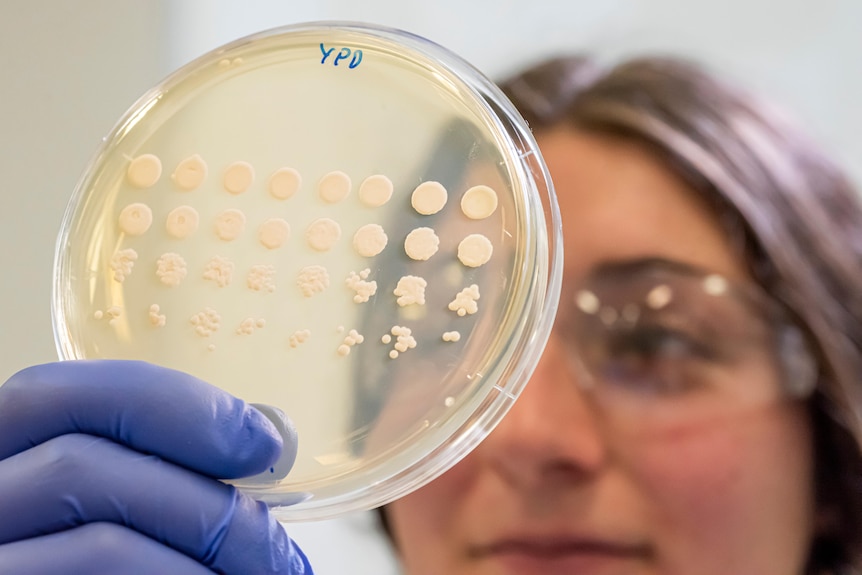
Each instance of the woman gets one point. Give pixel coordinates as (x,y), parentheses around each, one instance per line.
(696,409)
(704,435)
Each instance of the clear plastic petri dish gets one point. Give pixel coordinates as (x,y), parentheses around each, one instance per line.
(344,222)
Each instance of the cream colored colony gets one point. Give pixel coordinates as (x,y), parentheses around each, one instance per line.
(273,233)
(364,289)
(135,219)
(261,277)
(182,222)
(353,338)
(190,173)
(144,171)
(375,191)
(312,280)
(429,198)
(157,319)
(230,224)
(220,270)
(298,337)
(404,340)
(249,325)
(465,302)
(479,202)
(322,234)
(475,250)
(284,183)
(421,243)
(370,240)
(410,290)
(122,263)
(238,177)
(171,269)
(334,187)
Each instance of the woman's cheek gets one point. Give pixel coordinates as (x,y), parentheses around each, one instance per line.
(693,479)
(715,490)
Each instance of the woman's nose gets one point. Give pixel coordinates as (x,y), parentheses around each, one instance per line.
(551,436)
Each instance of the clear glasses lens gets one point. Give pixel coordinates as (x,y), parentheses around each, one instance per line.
(674,345)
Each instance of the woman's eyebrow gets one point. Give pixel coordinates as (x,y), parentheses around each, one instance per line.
(624,268)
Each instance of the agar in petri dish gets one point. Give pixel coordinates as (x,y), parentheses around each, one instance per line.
(365,324)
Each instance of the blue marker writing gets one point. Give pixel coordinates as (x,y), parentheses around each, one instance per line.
(342,54)
(325,52)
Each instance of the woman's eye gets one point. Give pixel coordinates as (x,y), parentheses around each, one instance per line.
(652,343)
(652,358)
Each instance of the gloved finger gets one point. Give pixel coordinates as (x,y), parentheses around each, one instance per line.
(77,479)
(96,549)
(149,408)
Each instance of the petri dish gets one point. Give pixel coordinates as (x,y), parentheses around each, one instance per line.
(341,221)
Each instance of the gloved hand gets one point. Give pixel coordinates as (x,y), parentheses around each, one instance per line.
(110,466)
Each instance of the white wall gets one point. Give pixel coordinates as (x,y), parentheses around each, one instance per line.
(71,69)
(804,56)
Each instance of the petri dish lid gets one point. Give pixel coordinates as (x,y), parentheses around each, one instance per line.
(345,222)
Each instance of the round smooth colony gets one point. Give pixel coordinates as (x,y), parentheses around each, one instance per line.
(284,183)
(190,173)
(135,219)
(369,240)
(144,171)
(322,234)
(479,202)
(475,250)
(334,187)
(273,233)
(429,198)
(238,177)
(375,191)
(182,222)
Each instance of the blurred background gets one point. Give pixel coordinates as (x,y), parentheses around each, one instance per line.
(70,70)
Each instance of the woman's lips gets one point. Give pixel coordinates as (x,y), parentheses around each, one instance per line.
(560,555)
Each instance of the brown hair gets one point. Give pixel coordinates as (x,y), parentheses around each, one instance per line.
(795,214)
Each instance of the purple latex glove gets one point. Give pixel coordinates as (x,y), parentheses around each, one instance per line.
(111,467)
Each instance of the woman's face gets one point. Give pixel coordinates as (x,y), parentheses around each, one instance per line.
(558,489)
